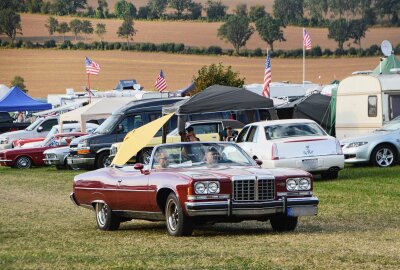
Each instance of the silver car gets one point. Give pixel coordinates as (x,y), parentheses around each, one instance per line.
(57,156)
(380,148)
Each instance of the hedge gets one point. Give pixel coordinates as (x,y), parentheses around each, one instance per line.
(182,49)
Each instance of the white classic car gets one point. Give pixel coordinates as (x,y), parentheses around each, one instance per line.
(380,148)
(293,143)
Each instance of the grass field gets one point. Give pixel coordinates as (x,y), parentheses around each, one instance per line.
(200,34)
(52,71)
(358,227)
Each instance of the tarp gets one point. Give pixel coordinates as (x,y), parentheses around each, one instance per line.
(98,109)
(386,65)
(138,138)
(219,98)
(17,100)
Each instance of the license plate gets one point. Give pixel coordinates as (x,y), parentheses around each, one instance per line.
(309,164)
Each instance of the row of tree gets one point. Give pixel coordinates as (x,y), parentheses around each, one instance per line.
(295,12)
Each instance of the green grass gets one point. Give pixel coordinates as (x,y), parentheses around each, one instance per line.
(358,227)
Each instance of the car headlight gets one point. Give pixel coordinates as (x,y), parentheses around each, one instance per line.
(295,184)
(356,144)
(206,187)
(83,144)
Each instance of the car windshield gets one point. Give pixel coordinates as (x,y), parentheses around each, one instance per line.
(108,125)
(34,124)
(293,130)
(392,125)
(185,155)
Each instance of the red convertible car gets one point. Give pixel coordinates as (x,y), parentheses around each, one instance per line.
(191,183)
(24,158)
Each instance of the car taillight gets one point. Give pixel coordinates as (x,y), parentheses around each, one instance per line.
(338,148)
(274,152)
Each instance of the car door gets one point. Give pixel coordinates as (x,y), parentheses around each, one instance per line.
(129,123)
(133,192)
(44,128)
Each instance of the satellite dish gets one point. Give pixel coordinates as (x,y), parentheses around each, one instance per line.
(386,48)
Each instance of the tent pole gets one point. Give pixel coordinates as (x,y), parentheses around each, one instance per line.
(90,96)
(304,61)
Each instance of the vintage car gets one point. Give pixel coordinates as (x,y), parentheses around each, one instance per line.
(25,158)
(380,148)
(57,157)
(22,142)
(293,143)
(205,130)
(196,182)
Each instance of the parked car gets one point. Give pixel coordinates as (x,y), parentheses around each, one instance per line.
(380,148)
(25,158)
(205,130)
(57,157)
(66,128)
(293,143)
(39,128)
(7,123)
(92,151)
(196,182)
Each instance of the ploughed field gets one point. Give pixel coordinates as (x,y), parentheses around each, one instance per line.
(192,33)
(358,227)
(52,71)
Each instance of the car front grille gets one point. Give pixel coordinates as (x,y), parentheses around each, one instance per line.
(253,189)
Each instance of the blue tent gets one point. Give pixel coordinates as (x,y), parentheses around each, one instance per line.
(17,100)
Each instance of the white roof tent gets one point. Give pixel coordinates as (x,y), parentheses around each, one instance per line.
(98,109)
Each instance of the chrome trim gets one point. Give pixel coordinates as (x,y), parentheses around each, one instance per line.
(256,179)
(102,149)
(5,160)
(116,189)
(140,214)
(208,197)
(294,193)
(72,197)
(78,161)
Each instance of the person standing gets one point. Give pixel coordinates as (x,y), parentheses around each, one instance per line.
(191,136)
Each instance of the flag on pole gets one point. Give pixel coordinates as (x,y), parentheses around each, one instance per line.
(91,67)
(306,40)
(267,77)
(161,83)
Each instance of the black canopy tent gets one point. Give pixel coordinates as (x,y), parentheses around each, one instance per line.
(316,107)
(217,98)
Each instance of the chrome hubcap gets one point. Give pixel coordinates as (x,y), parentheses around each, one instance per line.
(384,157)
(173,216)
(102,214)
(23,162)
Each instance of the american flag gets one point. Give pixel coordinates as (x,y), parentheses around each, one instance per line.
(91,66)
(306,40)
(161,83)
(267,77)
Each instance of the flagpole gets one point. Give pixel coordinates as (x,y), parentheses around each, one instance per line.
(304,60)
(90,96)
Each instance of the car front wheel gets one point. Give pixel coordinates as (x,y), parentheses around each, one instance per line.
(105,218)
(383,156)
(23,163)
(177,223)
(282,223)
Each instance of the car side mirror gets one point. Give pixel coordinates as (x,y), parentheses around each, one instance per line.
(259,162)
(140,166)
(40,129)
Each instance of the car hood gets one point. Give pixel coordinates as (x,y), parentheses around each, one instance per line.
(17,151)
(19,134)
(366,137)
(59,150)
(229,172)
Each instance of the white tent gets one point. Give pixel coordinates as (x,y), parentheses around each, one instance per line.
(98,109)
(3,91)
(63,108)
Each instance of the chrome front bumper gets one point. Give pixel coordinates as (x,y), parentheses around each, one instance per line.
(78,162)
(52,161)
(295,207)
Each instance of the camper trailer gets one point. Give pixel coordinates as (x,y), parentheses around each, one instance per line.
(365,102)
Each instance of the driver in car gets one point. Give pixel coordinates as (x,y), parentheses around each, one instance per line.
(212,156)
